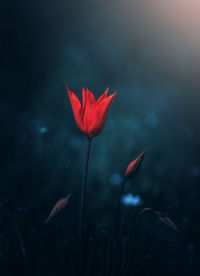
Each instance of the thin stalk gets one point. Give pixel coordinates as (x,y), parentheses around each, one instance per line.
(83,201)
(84,182)
(116,216)
(114,236)
(138,219)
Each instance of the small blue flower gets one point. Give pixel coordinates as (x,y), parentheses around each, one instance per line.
(131,200)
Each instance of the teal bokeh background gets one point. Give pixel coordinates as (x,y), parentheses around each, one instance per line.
(95,44)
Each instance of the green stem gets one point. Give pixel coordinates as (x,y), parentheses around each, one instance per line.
(116,217)
(114,235)
(83,192)
(83,200)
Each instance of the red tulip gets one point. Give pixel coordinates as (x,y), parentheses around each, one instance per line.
(91,116)
(134,166)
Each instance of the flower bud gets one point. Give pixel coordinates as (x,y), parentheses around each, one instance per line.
(60,204)
(134,166)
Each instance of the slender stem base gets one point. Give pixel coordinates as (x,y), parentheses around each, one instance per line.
(116,217)
(84,182)
(83,201)
(115,231)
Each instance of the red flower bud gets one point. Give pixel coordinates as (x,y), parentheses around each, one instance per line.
(90,117)
(134,166)
(60,204)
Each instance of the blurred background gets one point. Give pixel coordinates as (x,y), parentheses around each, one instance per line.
(147,51)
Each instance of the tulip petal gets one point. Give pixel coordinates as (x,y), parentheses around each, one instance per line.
(76,107)
(88,111)
(90,97)
(134,166)
(100,115)
(103,96)
(83,98)
(90,117)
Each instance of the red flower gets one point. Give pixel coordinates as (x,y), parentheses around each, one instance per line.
(91,116)
(134,166)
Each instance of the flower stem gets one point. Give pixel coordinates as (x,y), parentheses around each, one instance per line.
(116,216)
(83,192)
(83,201)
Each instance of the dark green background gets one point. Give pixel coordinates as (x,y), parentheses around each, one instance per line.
(96,44)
